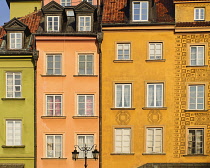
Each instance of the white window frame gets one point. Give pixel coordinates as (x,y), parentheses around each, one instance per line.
(53,23)
(84,27)
(155,95)
(196,103)
(158,55)
(65,3)
(123,95)
(153,143)
(13,85)
(194,139)
(54,148)
(198,61)
(90,1)
(140,10)
(121,143)
(54,64)
(86,105)
(124,46)
(54,104)
(198,14)
(14,133)
(89,153)
(14,41)
(85,64)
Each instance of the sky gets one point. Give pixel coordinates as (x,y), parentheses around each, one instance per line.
(4,12)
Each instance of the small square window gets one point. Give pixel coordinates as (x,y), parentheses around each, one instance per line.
(84,23)
(89,1)
(54,64)
(123,95)
(54,146)
(199,13)
(155,51)
(83,140)
(197,55)
(196,97)
(123,51)
(140,11)
(86,64)
(195,141)
(16,40)
(85,105)
(155,95)
(52,23)
(65,2)
(53,105)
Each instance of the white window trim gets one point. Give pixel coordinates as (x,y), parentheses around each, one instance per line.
(155,84)
(85,54)
(129,46)
(13,132)
(196,104)
(54,95)
(54,144)
(85,27)
(54,55)
(65,2)
(197,46)
(199,14)
(93,96)
(123,84)
(53,28)
(89,1)
(154,146)
(140,11)
(13,85)
(155,43)
(21,41)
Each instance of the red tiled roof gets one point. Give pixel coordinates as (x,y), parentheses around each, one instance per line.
(114,11)
(192,24)
(31,20)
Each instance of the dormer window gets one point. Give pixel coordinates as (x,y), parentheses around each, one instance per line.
(15,40)
(84,23)
(53,23)
(140,11)
(65,2)
(199,13)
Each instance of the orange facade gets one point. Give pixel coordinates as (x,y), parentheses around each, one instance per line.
(65,126)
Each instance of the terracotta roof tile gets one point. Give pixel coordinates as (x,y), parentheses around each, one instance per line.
(192,24)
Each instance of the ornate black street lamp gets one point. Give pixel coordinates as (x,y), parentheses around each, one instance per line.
(85,149)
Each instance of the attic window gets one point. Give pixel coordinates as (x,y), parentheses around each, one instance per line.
(15,40)
(199,13)
(70,12)
(52,23)
(84,23)
(140,11)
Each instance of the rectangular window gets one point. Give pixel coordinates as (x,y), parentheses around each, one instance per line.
(84,23)
(85,105)
(54,105)
(54,64)
(13,132)
(195,141)
(53,23)
(65,2)
(154,140)
(196,97)
(85,64)
(122,140)
(15,40)
(13,84)
(155,51)
(54,146)
(155,95)
(199,13)
(123,51)
(123,95)
(90,1)
(83,140)
(140,11)
(197,55)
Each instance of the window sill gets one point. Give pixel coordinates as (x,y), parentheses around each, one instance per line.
(85,117)
(122,108)
(16,146)
(194,155)
(196,110)
(194,66)
(123,61)
(153,153)
(54,158)
(12,98)
(53,75)
(53,117)
(154,108)
(122,153)
(85,75)
(156,60)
